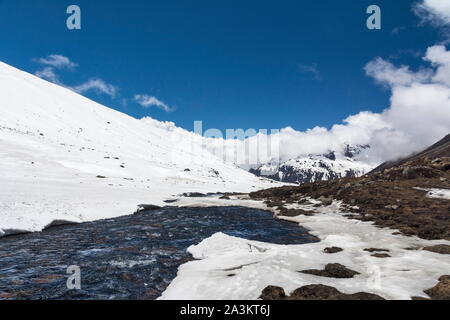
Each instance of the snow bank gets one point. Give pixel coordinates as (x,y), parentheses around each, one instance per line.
(234,268)
(439,193)
(64,157)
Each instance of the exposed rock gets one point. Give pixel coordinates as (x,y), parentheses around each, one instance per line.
(372,250)
(441,248)
(326,201)
(170,201)
(419,299)
(381,255)
(273,293)
(334,270)
(315,292)
(441,291)
(101,177)
(194,195)
(332,250)
(147,207)
(294,212)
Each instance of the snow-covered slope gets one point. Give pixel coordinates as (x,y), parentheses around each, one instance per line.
(66,158)
(312,168)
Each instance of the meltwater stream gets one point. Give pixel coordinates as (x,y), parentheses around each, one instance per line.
(131,257)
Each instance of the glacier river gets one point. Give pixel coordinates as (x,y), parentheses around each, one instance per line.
(131,257)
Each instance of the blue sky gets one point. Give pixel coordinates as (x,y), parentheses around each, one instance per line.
(232,64)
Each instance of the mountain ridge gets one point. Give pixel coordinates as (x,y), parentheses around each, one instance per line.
(312,168)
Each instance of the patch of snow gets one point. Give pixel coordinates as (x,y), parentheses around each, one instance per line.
(232,268)
(439,193)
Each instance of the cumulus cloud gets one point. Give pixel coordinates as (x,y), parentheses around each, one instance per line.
(57,61)
(387,74)
(54,62)
(148,101)
(418,116)
(436,12)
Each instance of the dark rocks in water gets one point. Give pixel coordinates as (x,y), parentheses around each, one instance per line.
(194,195)
(332,250)
(441,291)
(333,270)
(441,248)
(147,207)
(315,292)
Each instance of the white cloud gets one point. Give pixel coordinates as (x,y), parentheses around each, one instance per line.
(97,85)
(148,101)
(418,116)
(386,73)
(57,61)
(434,11)
(49,74)
(440,58)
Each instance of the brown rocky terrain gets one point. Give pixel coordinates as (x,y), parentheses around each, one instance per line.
(315,292)
(394,195)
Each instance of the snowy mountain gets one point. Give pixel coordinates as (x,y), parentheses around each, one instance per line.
(67,158)
(312,168)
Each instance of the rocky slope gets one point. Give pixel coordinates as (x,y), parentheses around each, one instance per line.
(411,196)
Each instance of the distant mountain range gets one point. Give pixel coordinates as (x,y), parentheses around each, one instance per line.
(313,168)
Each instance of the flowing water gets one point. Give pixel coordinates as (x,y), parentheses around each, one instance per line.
(131,257)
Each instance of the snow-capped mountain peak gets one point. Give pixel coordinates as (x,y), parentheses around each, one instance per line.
(312,168)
